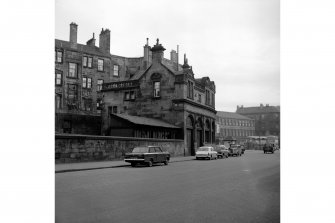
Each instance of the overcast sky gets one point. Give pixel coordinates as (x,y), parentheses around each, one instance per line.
(234,42)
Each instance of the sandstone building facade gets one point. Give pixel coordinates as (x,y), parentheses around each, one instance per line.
(167,92)
(267,118)
(99,93)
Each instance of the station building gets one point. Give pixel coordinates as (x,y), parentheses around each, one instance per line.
(165,101)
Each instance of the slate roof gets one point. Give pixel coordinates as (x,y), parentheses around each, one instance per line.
(146,121)
(80,47)
(231,115)
(253,110)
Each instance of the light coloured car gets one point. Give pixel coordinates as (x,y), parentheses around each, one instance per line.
(206,152)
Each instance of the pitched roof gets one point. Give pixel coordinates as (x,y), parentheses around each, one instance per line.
(146,121)
(80,47)
(232,115)
(263,109)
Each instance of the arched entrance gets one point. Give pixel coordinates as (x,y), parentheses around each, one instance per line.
(190,135)
(199,133)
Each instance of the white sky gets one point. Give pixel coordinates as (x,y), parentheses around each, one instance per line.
(234,42)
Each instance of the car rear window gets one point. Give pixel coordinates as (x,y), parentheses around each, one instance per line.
(140,150)
(203,149)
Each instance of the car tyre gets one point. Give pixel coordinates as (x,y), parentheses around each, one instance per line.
(149,163)
(166,162)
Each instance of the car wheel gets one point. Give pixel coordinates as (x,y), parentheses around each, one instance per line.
(227,156)
(166,162)
(149,163)
(133,164)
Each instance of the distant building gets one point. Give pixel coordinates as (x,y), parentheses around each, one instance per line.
(232,126)
(267,118)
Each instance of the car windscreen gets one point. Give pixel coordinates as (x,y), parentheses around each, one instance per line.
(203,149)
(140,150)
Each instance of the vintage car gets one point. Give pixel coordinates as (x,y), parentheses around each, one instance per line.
(206,152)
(222,151)
(235,150)
(242,149)
(147,155)
(268,148)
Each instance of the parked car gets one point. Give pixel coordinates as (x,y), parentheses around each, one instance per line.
(222,151)
(242,149)
(268,148)
(206,152)
(147,155)
(235,150)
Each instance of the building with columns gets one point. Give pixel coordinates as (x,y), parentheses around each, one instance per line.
(163,100)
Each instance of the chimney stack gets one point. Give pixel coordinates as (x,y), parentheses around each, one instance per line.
(157,52)
(73,32)
(147,54)
(91,42)
(104,40)
(261,105)
(185,65)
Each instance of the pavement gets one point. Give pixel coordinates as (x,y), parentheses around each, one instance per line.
(72,167)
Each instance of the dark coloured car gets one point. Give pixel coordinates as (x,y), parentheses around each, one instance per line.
(268,148)
(147,155)
(222,151)
(242,149)
(234,150)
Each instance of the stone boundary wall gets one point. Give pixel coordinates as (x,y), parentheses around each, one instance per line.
(80,148)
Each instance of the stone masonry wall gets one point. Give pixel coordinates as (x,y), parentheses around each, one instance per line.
(79,148)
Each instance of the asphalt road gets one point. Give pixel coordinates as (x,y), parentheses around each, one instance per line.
(237,189)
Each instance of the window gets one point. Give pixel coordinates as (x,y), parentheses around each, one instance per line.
(99,85)
(199,98)
(89,62)
(114,110)
(58,78)
(157,87)
(207,102)
(87,82)
(132,95)
(72,92)
(87,104)
(129,95)
(58,101)
(72,70)
(59,56)
(190,89)
(84,61)
(84,82)
(126,95)
(116,70)
(213,100)
(100,65)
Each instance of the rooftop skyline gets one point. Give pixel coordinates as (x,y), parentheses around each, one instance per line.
(233,42)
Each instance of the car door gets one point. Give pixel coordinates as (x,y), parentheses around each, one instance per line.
(160,155)
(153,154)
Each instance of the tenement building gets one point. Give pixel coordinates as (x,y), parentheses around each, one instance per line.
(232,126)
(267,118)
(80,71)
(159,98)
